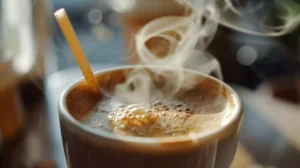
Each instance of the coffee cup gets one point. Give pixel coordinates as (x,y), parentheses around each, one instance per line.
(88,147)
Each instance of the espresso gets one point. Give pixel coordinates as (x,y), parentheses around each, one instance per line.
(160,118)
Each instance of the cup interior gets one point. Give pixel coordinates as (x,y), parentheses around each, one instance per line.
(71,113)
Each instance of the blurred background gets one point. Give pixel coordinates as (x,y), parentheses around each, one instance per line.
(36,64)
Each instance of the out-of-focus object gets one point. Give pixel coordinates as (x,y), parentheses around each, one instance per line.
(46,164)
(23,47)
(0,141)
(271,128)
(284,88)
(25,35)
(136,13)
(11,118)
(298,87)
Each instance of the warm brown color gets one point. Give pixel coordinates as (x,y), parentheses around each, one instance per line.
(10,113)
(86,148)
(87,98)
(132,21)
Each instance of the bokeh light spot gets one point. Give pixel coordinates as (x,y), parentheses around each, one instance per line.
(246,55)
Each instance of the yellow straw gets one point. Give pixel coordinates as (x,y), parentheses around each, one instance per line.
(68,31)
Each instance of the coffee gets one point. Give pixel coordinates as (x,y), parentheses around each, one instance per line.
(197,128)
(160,118)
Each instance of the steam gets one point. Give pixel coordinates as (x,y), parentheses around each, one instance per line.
(251,18)
(137,88)
(185,40)
(180,43)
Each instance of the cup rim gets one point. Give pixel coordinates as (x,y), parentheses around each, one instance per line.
(202,136)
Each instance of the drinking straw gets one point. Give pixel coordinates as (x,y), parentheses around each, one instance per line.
(74,44)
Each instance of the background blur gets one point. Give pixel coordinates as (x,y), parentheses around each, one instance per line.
(264,70)
(99,31)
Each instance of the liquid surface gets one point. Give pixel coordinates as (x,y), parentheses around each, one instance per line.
(164,118)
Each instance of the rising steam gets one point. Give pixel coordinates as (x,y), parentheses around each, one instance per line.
(251,16)
(180,43)
(182,35)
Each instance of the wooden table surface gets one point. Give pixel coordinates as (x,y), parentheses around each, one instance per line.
(270,135)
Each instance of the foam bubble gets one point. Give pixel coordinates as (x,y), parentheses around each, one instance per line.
(160,118)
(155,120)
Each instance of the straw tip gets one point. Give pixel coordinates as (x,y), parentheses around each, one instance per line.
(60,12)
